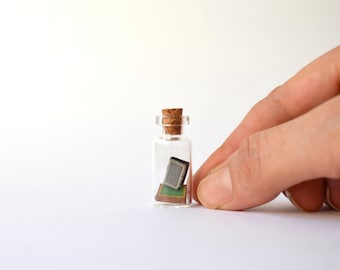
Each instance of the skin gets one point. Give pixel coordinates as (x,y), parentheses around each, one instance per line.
(288,142)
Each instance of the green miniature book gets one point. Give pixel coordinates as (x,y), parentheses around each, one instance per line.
(167,194)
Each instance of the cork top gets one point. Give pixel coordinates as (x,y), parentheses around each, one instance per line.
(172,121)
(172,112)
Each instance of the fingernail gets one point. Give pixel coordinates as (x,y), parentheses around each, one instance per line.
(328,200)
(289,195)
(216,189)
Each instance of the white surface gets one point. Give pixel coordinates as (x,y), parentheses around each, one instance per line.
(80,84)
(88,231)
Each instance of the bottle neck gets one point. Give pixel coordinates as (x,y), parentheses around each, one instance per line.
(165,134)
(172,128)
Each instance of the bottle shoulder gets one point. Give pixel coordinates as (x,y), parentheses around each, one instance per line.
(162,139)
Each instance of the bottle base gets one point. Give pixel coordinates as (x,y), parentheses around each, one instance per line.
(171,205)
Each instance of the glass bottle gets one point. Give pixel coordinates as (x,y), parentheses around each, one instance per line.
(171,161)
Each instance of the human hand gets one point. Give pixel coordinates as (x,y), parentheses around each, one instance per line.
(289,141)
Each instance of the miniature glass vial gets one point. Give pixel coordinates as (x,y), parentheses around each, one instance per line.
(171,161)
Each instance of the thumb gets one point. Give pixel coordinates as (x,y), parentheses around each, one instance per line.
(270,161)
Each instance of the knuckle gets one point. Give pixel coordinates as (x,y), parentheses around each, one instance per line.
(279,108)
(329,157)
(249,162)
(332,164)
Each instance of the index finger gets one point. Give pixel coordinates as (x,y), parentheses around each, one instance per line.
(311,86)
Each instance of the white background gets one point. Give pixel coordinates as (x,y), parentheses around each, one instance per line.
(80,85)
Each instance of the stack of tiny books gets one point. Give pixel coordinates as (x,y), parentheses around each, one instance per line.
(173,189)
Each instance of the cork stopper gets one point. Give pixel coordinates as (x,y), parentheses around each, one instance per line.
(172,121)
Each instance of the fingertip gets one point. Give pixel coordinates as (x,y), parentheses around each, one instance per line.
(290,197)
(307,196)
(332,196)
(203,195)
(195,185)
(216,189)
